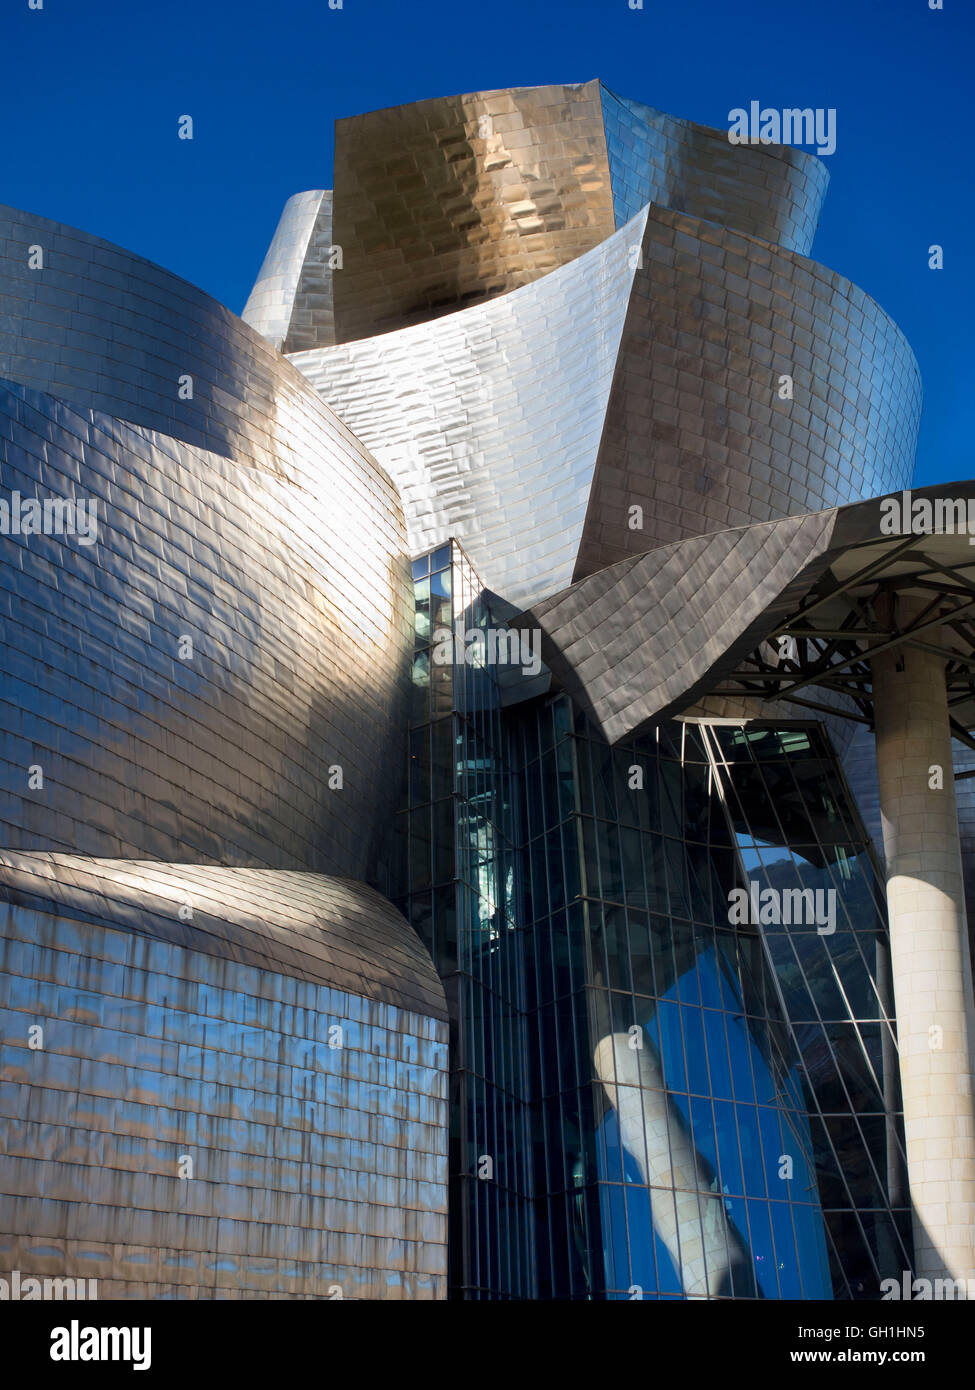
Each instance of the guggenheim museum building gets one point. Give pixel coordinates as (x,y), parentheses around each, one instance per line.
(485,742)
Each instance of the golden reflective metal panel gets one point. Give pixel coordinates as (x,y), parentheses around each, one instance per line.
(445,202)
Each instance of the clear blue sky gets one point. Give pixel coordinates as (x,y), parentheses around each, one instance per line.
(92,92)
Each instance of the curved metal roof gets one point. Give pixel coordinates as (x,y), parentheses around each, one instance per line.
(331,931)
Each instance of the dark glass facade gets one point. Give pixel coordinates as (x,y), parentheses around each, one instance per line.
(461,831)
(650,1098)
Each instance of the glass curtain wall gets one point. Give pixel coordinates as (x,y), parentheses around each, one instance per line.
(651,1098)
(460,833)
(795,827)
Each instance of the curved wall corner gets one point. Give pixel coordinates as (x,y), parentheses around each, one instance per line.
(107,330)
(272,307)
(249,1103)
(440,204)
(489,420)
(775,192)
(696,434)
(500,430)
(221,674)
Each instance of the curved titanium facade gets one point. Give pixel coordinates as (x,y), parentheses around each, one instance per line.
(441,203)
(695,433)
(324,930)
(490,420)
(242,1100)
(486,416)
(294,602)
(97,326)
(676,414)
(641,639)
(205,619)
(445,202)
(583,338)
(770,191)
(246,518)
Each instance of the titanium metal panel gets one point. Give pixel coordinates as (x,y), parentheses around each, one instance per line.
(271,305)
(651,636)
(442,203)
(329,931)
(268,741)
(641,639)
(203,1120)
(696,434)
(486,415)
(489,420)
(107,330)
(313,315)
(770,191)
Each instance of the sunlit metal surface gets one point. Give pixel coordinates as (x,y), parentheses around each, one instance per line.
(217,678)
(555,307)
(770,191)
(746,383)
(441,203)
(490,420)
(272,308)
(329,931)
(696,434)
(318,1157)
(295,597)
(102,328)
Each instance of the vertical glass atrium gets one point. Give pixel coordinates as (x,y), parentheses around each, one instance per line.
(650,1098)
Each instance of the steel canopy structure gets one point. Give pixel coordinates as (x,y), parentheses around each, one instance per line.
(831,584)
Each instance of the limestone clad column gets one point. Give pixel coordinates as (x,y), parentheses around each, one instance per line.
(930,958)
